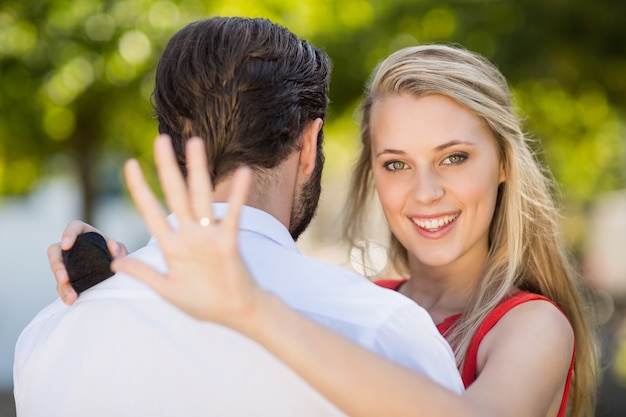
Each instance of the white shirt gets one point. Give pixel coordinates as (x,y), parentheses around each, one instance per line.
(123,351)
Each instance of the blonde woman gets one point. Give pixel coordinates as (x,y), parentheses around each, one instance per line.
(473,228)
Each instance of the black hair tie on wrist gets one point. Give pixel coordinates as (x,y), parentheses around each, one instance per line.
(88,262)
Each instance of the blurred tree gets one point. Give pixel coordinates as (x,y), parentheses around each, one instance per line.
(75,76)
(76,80)
(565,60)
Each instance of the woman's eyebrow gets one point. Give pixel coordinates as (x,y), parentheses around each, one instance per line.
(453,143)
(438,148)
(389,151)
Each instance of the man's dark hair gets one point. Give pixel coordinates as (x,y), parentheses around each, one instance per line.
(248,87)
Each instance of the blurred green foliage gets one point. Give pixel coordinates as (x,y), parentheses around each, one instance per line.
(76,77)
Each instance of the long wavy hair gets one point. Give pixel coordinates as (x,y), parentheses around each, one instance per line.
(526,250)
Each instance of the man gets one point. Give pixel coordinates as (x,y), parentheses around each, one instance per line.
(258,95)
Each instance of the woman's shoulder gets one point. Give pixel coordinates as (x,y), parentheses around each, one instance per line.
(526,312)
(526,344)
(526,319)
(527,304)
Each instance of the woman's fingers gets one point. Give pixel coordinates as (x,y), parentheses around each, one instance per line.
(71,232)
(55,258)
(238,195)
(64,288)
(67,293)
(200,189)
(116,248)
(142,272)
(171,179)
(147,204)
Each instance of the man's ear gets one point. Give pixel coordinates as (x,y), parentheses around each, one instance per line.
(308,147)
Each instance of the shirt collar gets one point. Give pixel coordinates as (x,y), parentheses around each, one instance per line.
(251,220)
(260,222)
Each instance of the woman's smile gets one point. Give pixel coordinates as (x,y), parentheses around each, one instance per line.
(434,226)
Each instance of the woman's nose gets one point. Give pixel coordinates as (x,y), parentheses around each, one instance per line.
(427,186)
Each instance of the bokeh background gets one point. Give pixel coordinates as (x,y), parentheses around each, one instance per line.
(75,84)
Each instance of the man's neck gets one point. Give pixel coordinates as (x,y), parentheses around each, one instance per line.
(273,195)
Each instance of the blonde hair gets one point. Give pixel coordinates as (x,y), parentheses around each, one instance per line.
(526,251)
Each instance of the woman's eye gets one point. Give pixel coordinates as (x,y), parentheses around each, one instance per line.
(457,158)
(395,165)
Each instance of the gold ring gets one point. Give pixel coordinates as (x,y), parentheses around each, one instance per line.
(205,221)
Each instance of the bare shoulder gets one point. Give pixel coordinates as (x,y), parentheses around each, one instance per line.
(536,317)
(536,326)
(523,362)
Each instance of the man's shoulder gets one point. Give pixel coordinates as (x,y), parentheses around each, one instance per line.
(381,320)
(54,308)
(331,293)
(92,304)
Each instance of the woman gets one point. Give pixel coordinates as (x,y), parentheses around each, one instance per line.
(468,232)
(473,228)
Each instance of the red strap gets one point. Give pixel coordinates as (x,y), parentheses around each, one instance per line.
(392,284)
(448,322)
(468,373)
(469,366)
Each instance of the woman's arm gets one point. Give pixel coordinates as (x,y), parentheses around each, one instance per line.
(357,381)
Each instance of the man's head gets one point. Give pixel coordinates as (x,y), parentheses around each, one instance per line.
(249,88)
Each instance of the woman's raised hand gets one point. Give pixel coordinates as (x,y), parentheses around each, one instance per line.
(206,275)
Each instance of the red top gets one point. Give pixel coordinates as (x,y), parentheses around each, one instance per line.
(468,373)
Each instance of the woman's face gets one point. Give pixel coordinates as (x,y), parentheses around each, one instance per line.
(436,170)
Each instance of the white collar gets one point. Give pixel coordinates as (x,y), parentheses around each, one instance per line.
(251,220)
